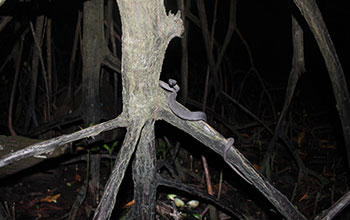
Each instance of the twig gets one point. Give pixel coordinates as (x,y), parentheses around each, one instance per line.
(220,184)
(4,20)
(73,57)
(14,87)
(337,207)
(207,40)
(184,52)
(298,67)
(49,67)
(230,29)
(253,69)
(313,17)
(213,213)
(34,73)
(38,45)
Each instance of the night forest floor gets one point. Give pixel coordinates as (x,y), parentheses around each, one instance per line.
(49,190)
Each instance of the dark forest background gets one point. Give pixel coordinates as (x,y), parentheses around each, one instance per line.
(254,75)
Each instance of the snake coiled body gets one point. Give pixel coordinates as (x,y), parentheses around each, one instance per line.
(175,107)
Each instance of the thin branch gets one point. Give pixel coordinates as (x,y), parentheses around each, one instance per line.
(49,66)
(112,62)
(184,52)
(253,69)
(73,56)
(337,207)
(14,87)
(298,67)
(313,17)
(44,72)
(51,144)
(231,28)
(4,20)
(211,43)
(215,141)
(207,40)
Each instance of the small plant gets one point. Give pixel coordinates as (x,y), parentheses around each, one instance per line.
(162,149)
(110,150)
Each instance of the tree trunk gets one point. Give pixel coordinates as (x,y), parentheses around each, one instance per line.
(93,55)
(144,175)
(146,33)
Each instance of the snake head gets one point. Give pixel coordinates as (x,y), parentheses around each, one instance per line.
(173,84)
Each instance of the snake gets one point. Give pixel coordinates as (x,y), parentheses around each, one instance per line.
(228,144)
(185,114)
(179,111)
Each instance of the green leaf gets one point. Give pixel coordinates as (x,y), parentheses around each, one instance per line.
(114,144)
(105,146)
(197,216)
(171,196)
(163,144)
